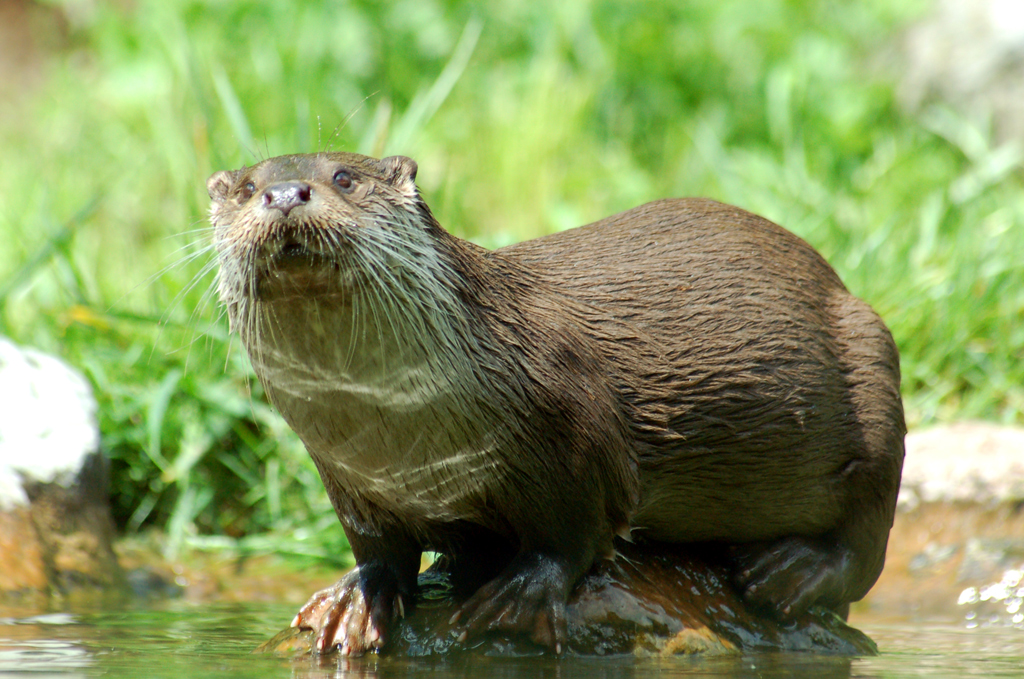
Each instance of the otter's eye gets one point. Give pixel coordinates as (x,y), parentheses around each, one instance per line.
(247,190)
(343,180)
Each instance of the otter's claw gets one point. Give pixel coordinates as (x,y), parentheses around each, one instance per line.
(527,598)
(348,617)
(792,575)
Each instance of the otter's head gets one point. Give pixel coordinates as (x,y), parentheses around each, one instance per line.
(334,260)
(306,224)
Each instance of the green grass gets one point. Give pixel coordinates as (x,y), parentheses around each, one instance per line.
(525,118)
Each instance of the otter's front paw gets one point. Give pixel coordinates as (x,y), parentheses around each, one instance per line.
(355,614)
(527,598)
(793,574)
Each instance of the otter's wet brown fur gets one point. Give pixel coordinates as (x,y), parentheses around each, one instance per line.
(684,371)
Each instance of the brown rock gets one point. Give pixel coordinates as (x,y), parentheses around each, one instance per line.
(956,550)
(56,531)
(648,602)
(22,566)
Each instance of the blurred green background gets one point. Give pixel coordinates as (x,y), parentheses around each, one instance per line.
(525,117)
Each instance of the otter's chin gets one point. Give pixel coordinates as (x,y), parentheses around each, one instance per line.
(298,272)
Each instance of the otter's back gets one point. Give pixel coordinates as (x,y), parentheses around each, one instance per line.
(742,407)
(672,242)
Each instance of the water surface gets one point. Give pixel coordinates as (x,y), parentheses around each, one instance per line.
(178,639)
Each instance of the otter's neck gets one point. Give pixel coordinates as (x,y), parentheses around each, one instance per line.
(382,381)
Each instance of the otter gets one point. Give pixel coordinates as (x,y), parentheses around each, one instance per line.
(682,372)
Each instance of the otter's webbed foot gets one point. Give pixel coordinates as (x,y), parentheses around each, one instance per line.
(356,613)
(528,598)
(793,574)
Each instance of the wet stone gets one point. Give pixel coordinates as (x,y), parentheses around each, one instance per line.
(650,601)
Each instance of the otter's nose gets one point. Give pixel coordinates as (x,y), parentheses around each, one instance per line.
(286,195)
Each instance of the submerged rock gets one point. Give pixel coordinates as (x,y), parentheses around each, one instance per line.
(649,601)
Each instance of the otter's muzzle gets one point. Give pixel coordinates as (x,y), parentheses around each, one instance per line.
(287,195)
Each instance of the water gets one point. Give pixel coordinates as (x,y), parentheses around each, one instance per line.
(178,639)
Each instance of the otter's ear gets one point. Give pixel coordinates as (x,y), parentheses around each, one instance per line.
(219,184)
(401,173)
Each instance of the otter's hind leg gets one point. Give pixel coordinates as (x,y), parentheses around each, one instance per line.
(794,573)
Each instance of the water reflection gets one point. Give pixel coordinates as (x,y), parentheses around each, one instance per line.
(27,647)
(767,666)
(182,640)
(996,603)
(43,655)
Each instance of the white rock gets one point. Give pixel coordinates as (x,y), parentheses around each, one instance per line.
(47,421)
(963,462)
